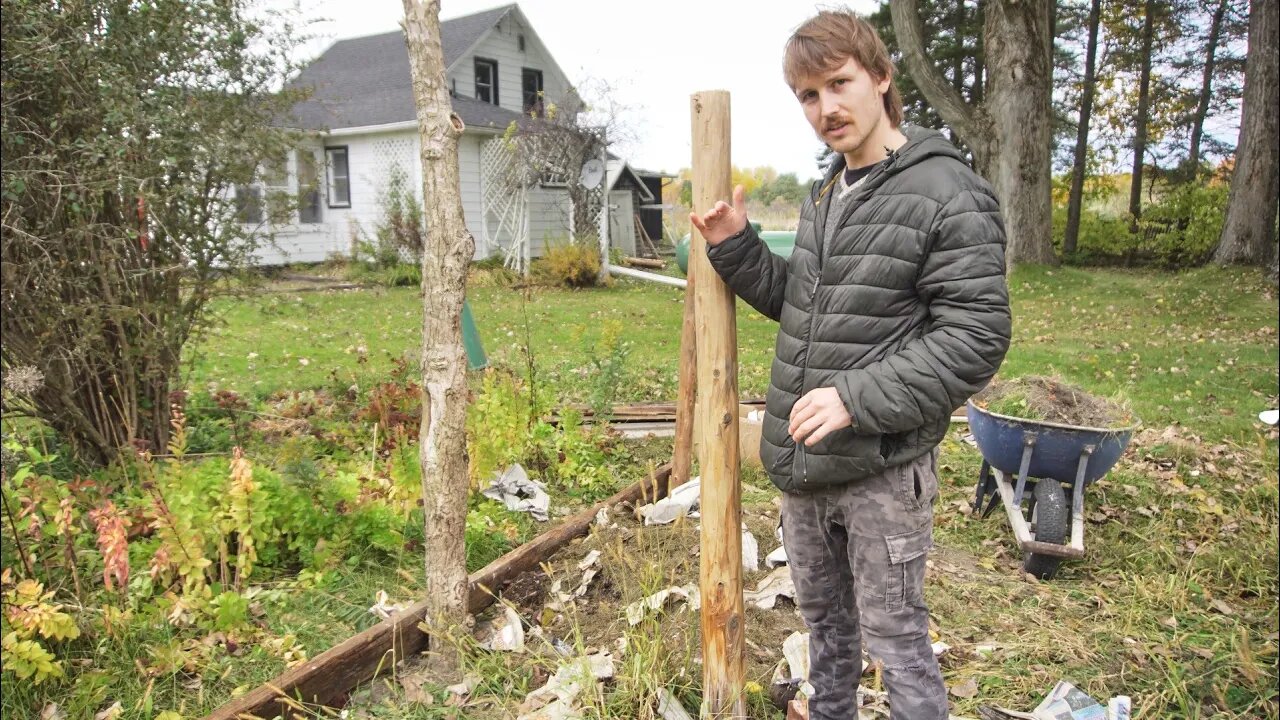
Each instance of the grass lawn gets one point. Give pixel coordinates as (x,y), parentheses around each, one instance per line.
(1197,349)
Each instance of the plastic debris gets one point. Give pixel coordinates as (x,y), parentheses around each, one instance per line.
(1068,702)
(678,503)
(508,635)
(557,700)
(383,607)
(1270,417)
(636,611)
(669,708)
(750,551)
(777,558)
(776,583)
(513,488)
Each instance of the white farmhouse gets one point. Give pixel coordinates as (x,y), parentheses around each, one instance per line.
(360,120)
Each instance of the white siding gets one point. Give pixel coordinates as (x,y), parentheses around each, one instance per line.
(502,45)
(370,158)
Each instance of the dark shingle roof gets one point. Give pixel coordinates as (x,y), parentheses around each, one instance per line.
(365,80)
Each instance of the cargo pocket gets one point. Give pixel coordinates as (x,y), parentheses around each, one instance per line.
(905,580)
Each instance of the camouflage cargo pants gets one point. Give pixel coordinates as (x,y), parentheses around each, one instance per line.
(857,557)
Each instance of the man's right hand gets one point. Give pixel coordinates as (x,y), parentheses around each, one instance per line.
(722,221)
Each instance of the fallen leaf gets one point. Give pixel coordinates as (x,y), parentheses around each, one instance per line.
(966,689)
(52,712)
(1222,607)
(111,713)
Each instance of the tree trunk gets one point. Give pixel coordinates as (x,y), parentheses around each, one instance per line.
(1144,112)
(447,253)
(1011,132)
(980,59)
(1206,89)
(1248,233)
(1078,168)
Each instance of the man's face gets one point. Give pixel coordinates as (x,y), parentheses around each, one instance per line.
(845,106)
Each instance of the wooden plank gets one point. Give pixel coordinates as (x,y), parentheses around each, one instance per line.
(645,263)
(375,651)
(716,417)
(686,393)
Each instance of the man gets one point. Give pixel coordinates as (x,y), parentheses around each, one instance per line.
(893,310)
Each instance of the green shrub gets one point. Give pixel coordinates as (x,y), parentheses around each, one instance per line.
(568,264)
(1178,230)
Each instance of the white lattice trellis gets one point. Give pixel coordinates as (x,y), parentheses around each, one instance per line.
(504,205)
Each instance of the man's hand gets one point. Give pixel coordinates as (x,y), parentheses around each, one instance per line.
(723,221)
(818,414)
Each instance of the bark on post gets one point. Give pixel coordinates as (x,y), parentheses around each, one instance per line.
(720,583)
(446,255)
(682,457)
(1248,232)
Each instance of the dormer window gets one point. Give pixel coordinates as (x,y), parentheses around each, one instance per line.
(487,81)
(531,86)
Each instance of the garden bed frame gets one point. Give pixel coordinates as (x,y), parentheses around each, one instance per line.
(331,675)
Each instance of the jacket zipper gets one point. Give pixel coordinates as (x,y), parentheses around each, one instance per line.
(817,279)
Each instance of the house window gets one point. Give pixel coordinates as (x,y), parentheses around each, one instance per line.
(249,204)
(261,200)
(487,81)
(339,174)
(308,188)
(520,42)
(531,80)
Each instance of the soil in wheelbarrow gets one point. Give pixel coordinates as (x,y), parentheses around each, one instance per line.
(1049,399)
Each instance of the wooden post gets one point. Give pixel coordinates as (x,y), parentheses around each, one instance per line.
(723,659)
(682,456)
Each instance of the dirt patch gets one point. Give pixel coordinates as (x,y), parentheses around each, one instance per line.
(1037,397)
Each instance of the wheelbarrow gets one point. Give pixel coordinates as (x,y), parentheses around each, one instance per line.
(1017,452)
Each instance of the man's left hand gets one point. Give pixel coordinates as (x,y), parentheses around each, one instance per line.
(818,414)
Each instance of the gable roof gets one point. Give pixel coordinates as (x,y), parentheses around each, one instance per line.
(365,81)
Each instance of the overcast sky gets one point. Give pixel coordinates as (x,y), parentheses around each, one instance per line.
(656,54)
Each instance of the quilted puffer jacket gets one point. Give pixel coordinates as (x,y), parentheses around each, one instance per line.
(905,313)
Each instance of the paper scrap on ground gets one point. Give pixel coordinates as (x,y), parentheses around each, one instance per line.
(590,567)
(1068,702)
(1270,417)
(678,503)
(637,610)
(776,583)
(508,633)
(383,607)
(513,488)
(557,699)
(750,551)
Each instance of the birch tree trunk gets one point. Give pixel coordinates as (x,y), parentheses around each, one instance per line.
(1011,131)
(447,253)
(1248,233)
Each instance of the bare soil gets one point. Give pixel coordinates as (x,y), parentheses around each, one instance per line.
(1037,397)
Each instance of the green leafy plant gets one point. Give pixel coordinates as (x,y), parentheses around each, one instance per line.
(30,619)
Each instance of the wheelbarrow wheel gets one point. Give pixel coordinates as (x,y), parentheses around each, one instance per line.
(1049,504)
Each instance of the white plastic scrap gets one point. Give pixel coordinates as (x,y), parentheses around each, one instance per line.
(776,583)
(1270,417)
(558,698)
(383,607)
(637,610)
(669,707)
(777,558)
(750,551)
(793,668)
(678,503)
(509,636)
(513,488)
(590,567)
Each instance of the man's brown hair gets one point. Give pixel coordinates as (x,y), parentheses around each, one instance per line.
(825,41)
